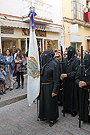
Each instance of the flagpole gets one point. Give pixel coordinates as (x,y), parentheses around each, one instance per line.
(32,9)
(37,109)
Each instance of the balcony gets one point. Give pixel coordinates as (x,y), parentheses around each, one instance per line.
(87,17)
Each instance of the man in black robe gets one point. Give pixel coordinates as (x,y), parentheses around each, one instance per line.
(57,59)
(60,95)
(48,107)
(70,68)
(83,86)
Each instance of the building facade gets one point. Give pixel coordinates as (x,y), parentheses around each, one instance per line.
(75,28)
(14,26)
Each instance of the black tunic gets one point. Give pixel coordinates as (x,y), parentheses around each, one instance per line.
(48,107)
(85,93)
(59,96)
(69,86)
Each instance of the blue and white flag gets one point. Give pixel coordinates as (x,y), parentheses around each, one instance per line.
(33,83)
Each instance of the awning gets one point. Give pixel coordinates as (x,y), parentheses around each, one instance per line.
(17,24)
(47,28)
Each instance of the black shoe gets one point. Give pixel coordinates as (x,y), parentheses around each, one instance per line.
(11,89)
(60,104)
(43,119)
(6,88)
(22,87)
(73,114)
(66,111)
(63,111)
(51,124)
(1,93)
(4,92)
(17,87)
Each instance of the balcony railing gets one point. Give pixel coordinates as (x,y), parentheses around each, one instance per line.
(42,9)
(87,17)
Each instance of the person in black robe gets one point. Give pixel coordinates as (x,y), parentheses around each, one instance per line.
(83,86)
(26,53)
(57,59)
(70,68)
(49,78)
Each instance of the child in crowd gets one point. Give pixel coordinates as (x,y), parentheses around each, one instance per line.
(2,78)
(1,57)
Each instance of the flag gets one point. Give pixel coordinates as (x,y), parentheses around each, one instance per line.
(33,66)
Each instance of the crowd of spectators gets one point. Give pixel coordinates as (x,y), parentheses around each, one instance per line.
(78,53)
(10,63)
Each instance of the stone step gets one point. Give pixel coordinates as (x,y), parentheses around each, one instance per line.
(14,95)
(13,100)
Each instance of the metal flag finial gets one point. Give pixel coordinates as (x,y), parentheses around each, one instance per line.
(32,9)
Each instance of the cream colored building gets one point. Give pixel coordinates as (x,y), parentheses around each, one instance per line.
(76,31)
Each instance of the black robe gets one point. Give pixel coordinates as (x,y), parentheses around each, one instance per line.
(69,86)
(48,107)
(85,93)
(59,96)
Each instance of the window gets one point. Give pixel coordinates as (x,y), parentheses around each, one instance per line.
(7,30)
(77,9)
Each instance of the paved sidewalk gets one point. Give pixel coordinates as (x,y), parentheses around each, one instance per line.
(14,95)
(20,119)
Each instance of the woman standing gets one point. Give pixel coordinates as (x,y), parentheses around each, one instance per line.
(19,64)
(9,70)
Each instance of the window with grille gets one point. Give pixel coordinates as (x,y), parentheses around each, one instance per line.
(7,30)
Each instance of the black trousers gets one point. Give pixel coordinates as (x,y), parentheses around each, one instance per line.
(22,78)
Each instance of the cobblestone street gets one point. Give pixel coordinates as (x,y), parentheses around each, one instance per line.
(20,119)
(14,95)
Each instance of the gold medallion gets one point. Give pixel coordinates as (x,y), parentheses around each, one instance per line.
(33,67)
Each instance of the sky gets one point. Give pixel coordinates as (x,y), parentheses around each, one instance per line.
(20,8)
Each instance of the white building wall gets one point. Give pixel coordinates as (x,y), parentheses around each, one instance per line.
(21,8)
(17,32)
(53,35)
(56,10)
